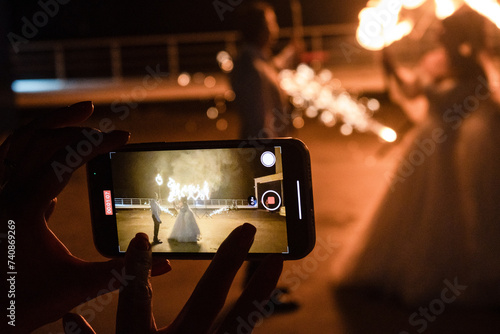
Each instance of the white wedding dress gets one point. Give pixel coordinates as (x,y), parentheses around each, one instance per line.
(185,227)
(440,220)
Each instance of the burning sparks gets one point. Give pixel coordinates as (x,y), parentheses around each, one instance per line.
(387,134)
(322,96)
(381,23)
(190,191)
(218,211)
(166,210)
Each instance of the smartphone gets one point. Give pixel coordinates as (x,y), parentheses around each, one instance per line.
(188,197)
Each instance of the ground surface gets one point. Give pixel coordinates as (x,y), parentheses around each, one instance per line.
(270,237)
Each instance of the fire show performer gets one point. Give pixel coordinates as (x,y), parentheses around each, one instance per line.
(439,218)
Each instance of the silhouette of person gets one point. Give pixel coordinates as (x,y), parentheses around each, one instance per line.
(262,104)
(155,212)
(439,218)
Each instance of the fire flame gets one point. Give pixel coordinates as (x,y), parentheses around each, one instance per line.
(380,22)
(487,8)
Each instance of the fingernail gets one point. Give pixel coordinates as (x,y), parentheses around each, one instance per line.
(75,321)
(160,267)
(248,229)
(68,317)
(141,242)
(83,105)
(246,233)
(125,135)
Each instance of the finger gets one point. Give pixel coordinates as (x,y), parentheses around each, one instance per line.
(160,267)
(96,278)
(75,323)
(50,209)
(70,115)
(210,294)
(5,164)
(43,144)
(27,153)
(67,116)
(76,143)
(134,313)
(47,144)
(4,147)
(254,299)
(55,174)
(20,139)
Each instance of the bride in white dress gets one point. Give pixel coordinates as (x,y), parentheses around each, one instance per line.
(185,227)
(439,222)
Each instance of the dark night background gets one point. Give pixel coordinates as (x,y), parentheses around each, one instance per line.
(134,173)
(107,18)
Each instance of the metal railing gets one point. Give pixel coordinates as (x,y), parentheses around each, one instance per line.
(143,203)
(124,57)
(129,57)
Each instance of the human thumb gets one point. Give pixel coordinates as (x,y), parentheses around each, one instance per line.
(134,313)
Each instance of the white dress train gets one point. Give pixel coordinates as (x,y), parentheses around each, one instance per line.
(440,220)
(185,227)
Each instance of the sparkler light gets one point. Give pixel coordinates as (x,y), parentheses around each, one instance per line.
(159,179)
(387,134)
(190,191)
(323,96)
(218,211)
(166,210)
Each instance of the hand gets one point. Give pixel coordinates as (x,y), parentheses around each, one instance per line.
(34,168)
(199,314)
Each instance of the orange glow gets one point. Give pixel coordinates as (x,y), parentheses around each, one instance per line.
(388,134)
(298,122)
(380,22)
(445,8)
(184,79)
(212,113)
(411,4)
(209,82)
(487,8)
(222,124)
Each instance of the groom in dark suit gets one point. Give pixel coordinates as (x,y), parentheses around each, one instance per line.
(155,211)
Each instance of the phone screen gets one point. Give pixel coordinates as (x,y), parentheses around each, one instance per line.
(189,200)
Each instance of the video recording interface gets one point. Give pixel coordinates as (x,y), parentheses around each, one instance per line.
(190,200)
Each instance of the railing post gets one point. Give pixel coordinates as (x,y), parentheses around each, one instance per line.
(231,45)
(116,60)
(59,61)
(317,46)
(173,57)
